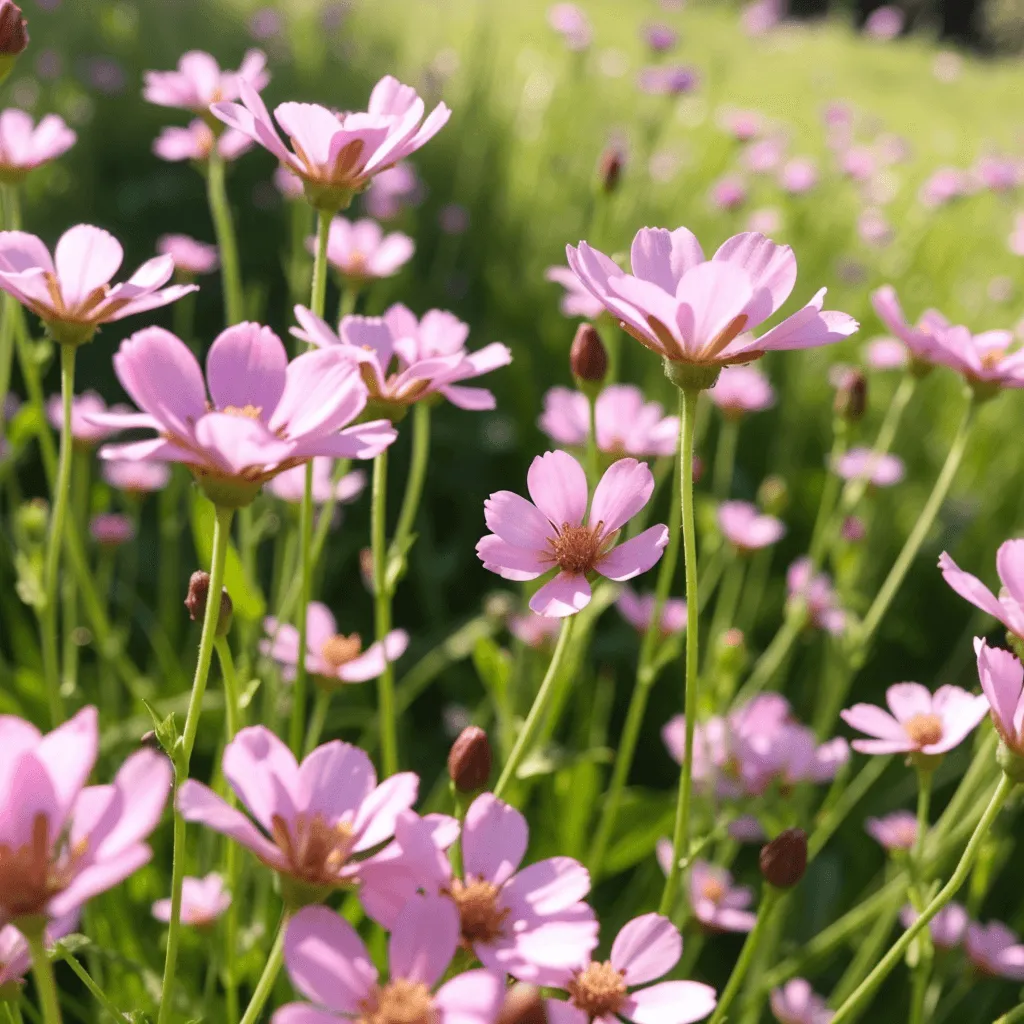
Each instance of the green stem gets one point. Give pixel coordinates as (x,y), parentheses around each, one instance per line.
(924,795)
(851,796)
(593,455)
(769,901)
(540,705)
(317,720)
(55,540)
(688,402)
(298,722)
(271,969)
(413,487)
(922,965)
(829,496)
(223,226)
(42,973)
(917,536)
(382,613)
(773,656)
(1013,1017)
(97,993)
(885,966)
(183,750)
(725,458)
(348,299)
(726,603)
(645,678)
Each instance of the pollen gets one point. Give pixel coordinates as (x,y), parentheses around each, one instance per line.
(598,990)
(340,650)
(249,412)
(481,917)
(713,889)
(316,850)
(576,548)
(924,730)
(399,1002)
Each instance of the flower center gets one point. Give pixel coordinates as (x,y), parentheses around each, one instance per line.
(356,264)
(713,889)
(315,850)
(249,412)
(340,650)
(576,548)
(399,1002)
(924,730)
(598,990)
(480,916)
(905,834)
(31,875)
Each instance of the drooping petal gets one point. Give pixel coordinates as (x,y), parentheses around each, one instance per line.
(99,877)
(197,802)
(970,588)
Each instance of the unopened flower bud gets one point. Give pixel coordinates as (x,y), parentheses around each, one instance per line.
(13,30)
(523,1005)
(853,529)
(773,495)
(499,605)
(610,166)
(366,568)
(33,519)
(731,654)
(588,358)
(784,860)
(469,762)
(195,602)
(852,396)
(149,740)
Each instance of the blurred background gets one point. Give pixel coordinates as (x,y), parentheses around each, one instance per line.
(884,143)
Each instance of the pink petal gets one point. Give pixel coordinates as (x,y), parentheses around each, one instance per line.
(625,488)
(375,820)
(971,588)
(246,366)
(961,713)
(474,997)
(327,961)
(143,785)
(549,886)
(908,699)
(68,754)
(235,444)
(634,556)
(880,747)
(322,393)
(510,562)
(370,664)
(334,780)
(771,269)
(671,1002)
(874,721)
(662,257)
(807,327)
(646,948)
(547,949)
(562,596)
(561,1012)
(20,251)
(469,399)
(494,839)
(558,487)
(320,625)
(310,128)
(29,793)
(424,939)
(517,521)
(417,838)
(1002,680)
(1010,566)
(99,878)
(710,297)
(264,774)
(86,258)
(197,802)
(362,441)
(302,1013)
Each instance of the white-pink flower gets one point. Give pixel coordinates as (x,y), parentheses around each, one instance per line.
(1008,607)
(886,354)
(996,950)
(290,485)
(1002,682)
(746,528)
(577,300)
(818,594)
(638,611)
(529,539)
(199,81)
(917,721)
(947,927)
(896,831)
(25,145)
(203,900)
(16,957)
(190,256)
(360,251)
(716,903)
(879,469)
(83,407)
(136,477)
(196,141)
(797,1003)
(534,630)
(919,340)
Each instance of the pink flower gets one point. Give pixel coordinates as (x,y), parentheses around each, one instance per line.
(799,175)
(822,601)
(992,359)
(998,174)
(874,229)
(264,415)
(71,293)
(288,184)
(896,831)
(853,529)
(947,926)
(886,354)
(328,964)
(530,538)
(626,424)
(393,190)
(111,529)
(329,654)
(572,25)
(858,162)
(742,389)
(530,922)
(716,903)
(746,528)
(291,484)
(766,220)
(764,155)
(920,340)
(203,900)
(189,255)
(693,310)
(61,844)
(1008,608)
(797,1003)
(920,722)
(661,80)
(534,630)
(360,251)
(200,82)
(318,815)
(16,957)
(84,406)
(403,360)
(646,948)
(638,611)
(136,477)
(577,300)
(945,185)
(196,142)
(25,145)
(884,23)
(996,950)
(743,125)
(337,155)
(1002,682)
(727,193)
(881,470)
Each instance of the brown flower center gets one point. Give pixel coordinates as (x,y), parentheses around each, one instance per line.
(924,730)
(479,914)
(991,359)
(713,889)
(598,990)
(340,650)
(31,875)
(357,264)
(249,412)
(316,851)
(399,1002)
(576,548)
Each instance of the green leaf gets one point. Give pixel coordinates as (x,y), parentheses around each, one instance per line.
(29,585)
(246,596)
(644,818)
(72,945)
(166,729)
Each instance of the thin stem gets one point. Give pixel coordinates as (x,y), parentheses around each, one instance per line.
(726,603)
(298,722)
(829,496)
(917,536)
(922,967)
(382,613)
(317,720)
(528,733)
(223,226)
(885,966)
(769,900)
(42,973)
(97,993)
(414,483)
(773,656)
(641,691)
(851,796)
(271,970)
(688,402)
(183,751)
(725,458)
(55,540)
(924,795)
(593,455)
(1013,1017)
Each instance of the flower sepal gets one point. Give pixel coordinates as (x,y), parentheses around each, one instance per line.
(328,198)
(1011,762)
(692,376)
(69,333)
(227,492)
(296,894)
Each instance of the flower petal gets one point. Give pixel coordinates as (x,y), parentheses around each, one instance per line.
(558,487)
(625,488)
(970,588)
(671,1002)
(494,839)
(646,948)
(86,258)
(564,595)
(246,367)
(424,939)
(635,556)
(662,257)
